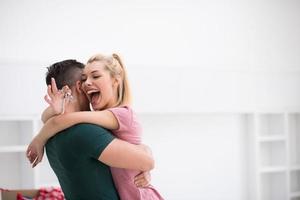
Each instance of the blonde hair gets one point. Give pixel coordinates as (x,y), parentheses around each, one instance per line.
(116,68)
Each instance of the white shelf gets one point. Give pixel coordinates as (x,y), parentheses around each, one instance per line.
(19,117)
(12,149)
(272,138)
(275,163)
(15,170)
(271,124)
(273,169)
(273,154)
(273,186)
(15,132)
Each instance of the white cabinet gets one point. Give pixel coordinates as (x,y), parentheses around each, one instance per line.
(15,170)
(275,170)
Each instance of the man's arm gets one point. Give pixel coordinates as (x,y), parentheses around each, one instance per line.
(97,142)
(122,154)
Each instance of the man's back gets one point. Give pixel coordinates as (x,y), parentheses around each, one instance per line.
(73,155)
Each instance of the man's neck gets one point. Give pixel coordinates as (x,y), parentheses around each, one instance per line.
(73,107)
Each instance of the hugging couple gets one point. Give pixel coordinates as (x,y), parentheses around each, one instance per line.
(91,133)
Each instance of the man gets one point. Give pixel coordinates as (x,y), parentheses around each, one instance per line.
(74,155)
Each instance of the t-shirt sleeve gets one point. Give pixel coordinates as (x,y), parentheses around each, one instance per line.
(91,139)
(123,116)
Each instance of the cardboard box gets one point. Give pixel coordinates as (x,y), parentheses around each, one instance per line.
(12,194)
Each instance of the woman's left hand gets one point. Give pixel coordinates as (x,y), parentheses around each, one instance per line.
(58,99)
(35,151)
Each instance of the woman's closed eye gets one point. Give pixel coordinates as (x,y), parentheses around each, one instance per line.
(83,78)
(96,76)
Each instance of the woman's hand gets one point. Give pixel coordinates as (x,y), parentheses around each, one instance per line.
(35,151)
(143,179)
(57,99)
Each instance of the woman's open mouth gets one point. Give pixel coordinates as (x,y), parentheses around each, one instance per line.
(93,96)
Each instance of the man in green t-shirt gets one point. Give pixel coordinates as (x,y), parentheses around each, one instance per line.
(74,155)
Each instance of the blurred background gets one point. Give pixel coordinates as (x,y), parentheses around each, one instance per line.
(215,83)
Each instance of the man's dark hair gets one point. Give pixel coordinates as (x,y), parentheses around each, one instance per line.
(66,72)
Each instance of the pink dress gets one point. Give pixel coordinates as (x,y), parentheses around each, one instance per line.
(130,131)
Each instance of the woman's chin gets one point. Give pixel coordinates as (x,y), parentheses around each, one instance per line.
(97,107)
(94,106)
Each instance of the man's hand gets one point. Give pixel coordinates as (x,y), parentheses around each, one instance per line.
(35,151)
(143,179)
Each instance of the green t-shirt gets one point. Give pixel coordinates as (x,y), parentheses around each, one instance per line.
(73,155)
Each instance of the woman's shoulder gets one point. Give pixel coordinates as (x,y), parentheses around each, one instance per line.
(122,109)
(125,113)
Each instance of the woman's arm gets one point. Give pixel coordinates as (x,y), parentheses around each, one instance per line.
(54,125)
(47,114)
(105,119)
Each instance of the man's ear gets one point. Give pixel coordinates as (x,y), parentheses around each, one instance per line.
(78,87)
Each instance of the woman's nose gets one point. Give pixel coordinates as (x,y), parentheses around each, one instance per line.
(88,82)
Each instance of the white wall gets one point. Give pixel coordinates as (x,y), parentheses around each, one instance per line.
(195,68)
(240,34)
(243,52)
